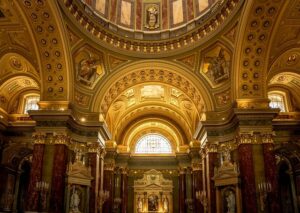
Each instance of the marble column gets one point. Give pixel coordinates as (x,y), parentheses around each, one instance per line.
(58,175)
(182,191)
(211,162)
(247,178)
(197,186)
(271,175)
(35,172)
(94,164)
(124,190)
(108,185)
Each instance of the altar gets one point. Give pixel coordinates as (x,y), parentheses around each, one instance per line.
(153,193)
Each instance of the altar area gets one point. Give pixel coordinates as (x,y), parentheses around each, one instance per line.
(153,193)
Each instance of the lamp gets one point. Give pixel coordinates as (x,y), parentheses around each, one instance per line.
(102,197)
(42,188)
(117,202)
(189,203)
(264,188)
(201,196)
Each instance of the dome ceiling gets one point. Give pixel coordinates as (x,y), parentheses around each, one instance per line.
(153,15)
(150,27)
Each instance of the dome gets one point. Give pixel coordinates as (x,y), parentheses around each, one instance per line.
(149,16)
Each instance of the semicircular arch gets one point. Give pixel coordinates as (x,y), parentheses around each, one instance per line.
(152,71)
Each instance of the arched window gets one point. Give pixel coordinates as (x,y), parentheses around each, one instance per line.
(153,144)
(31,103)
(277,101)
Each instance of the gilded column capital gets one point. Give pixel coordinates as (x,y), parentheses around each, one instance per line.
(267,137)
(182,170)
(39,138)
(61,138)
(246,138)
(95,148)
(196,166)
(109,166)
(211,148)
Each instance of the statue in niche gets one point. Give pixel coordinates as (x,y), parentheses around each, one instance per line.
(75,200)
(230,201)
(140,204)
(166,204)
(218,67)
(88,70)
(152,19)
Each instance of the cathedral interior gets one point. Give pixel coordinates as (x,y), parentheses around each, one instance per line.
(154,106)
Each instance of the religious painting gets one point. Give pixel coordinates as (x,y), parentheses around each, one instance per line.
(89,67)
(152,16)
(153,202)
(216,65)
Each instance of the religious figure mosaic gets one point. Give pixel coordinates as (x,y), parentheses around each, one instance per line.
(216,65)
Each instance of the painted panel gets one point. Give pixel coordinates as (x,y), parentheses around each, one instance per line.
(100,6)
(177,11)
(126,14)
(202,5)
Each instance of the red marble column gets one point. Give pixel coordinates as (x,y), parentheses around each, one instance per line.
(271,175)
(35,176)
(197,186)
(58,178)
(211,161)
(94,164)
(247,178)
(108,185)
(124,191)
(182,192)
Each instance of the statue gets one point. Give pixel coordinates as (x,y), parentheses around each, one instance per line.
(166,204)
(218,67)
(152,17)
(139,205)
(230,198)
(75,200)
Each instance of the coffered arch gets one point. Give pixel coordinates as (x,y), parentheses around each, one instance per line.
(163,72)
(46,25)
(251,56)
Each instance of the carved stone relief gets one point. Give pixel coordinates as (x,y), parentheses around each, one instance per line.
(152,16)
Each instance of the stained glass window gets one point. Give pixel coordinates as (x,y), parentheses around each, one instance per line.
(153,144)
(31,103)
(277,101)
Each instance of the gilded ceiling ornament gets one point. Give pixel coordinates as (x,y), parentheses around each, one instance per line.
(16,63)
(152,16)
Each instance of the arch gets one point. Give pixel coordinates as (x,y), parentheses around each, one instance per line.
(51,42)
(161,72)
(251,55)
